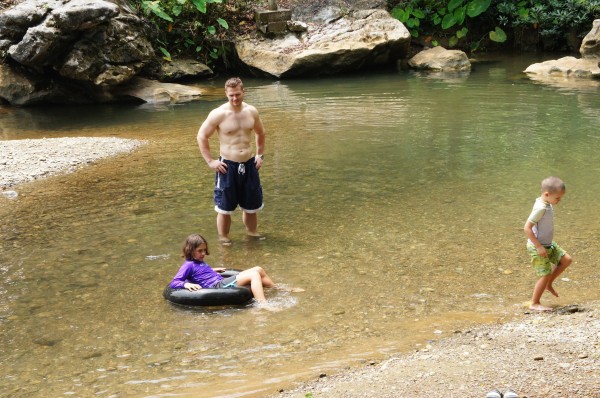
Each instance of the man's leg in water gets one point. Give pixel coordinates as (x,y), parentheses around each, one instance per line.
(251,223)
(223,226)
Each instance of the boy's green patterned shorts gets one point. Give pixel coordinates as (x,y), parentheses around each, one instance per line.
(543,265)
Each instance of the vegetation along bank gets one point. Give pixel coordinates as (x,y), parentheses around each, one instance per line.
(202,28)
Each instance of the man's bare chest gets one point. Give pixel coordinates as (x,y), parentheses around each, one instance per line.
(237,122)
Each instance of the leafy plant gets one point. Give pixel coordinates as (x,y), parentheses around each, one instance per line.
(167,54)
(552,19)
(191,27)
(498,35)
(444,19)
(410,17)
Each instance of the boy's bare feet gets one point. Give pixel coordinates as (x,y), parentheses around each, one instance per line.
(539,307)
(551,290)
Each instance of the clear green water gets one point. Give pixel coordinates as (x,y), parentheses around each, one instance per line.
(395,200)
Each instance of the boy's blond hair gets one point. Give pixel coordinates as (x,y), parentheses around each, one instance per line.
(553,185)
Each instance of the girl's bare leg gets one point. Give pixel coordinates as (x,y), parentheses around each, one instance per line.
(257,278)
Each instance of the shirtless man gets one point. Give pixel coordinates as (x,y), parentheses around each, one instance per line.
(237,181)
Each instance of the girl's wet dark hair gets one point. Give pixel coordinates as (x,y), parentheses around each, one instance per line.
(190,244)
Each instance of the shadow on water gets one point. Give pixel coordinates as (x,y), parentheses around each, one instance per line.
(395,200)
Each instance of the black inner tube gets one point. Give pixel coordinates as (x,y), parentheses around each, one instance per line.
(210,297)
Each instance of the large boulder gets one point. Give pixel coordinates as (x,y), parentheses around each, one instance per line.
(95,41)
(567,67)
(360,39)
(325,11)
(441,60)
(19,87)
(570,67)
(69,50)
(590,46)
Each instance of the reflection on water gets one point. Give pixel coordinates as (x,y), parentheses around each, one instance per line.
(395,200)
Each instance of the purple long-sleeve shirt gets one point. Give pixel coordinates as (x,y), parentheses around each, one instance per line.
(197,272)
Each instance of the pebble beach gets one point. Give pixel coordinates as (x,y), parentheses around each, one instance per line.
(550,355)
(28,160)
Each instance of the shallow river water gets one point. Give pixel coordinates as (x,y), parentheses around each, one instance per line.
(396,200)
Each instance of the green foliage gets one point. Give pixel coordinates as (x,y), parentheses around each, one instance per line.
(456,20)
(553,19)
(441,18)
(190,27)
(498,35)
(167,55)
(476,8)
(156,8)
(410,17)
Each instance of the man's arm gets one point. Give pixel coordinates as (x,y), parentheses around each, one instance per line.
(206,130)
(259,134)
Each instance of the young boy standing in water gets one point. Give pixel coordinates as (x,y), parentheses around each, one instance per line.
(544,252)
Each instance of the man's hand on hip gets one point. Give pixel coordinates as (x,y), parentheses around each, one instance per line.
(218,166)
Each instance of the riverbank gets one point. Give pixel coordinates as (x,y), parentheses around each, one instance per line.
(31,159)
(554,354)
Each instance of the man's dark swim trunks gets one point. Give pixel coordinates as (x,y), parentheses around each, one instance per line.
(239,186)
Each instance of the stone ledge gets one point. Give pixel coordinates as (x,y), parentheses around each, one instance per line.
(269,21)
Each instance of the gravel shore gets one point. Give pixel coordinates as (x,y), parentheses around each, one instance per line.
(27,160)
(555,354)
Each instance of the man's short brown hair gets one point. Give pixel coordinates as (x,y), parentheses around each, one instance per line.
(234,82)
